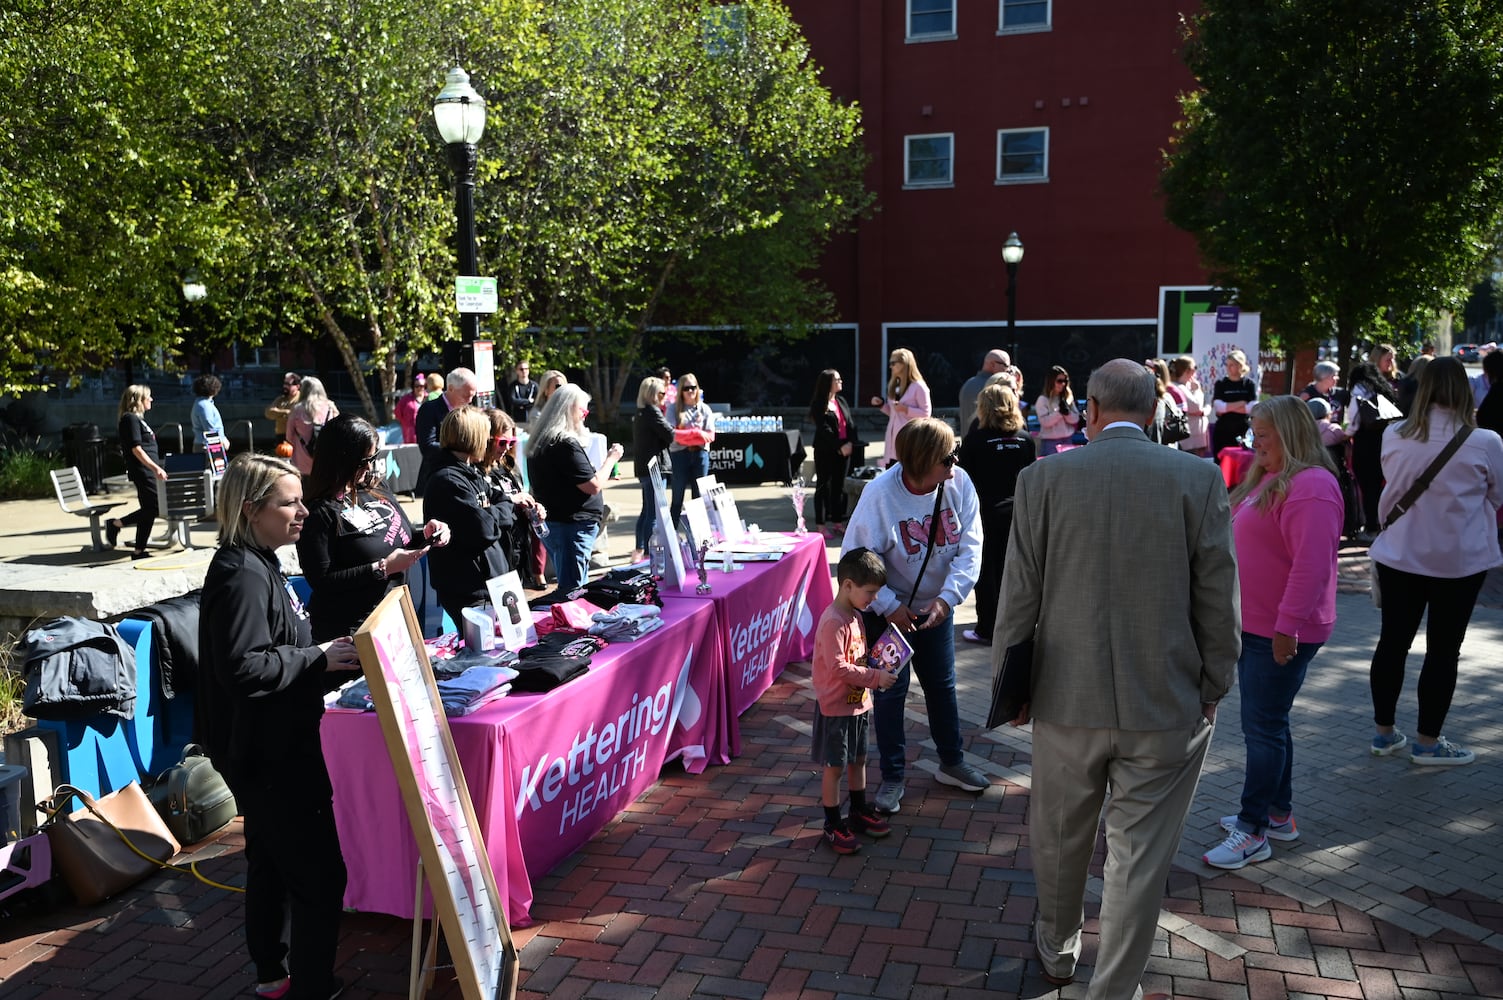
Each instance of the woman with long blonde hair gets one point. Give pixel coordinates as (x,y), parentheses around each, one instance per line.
(907,398)
(1286,525)
(306,421)
(1432,561)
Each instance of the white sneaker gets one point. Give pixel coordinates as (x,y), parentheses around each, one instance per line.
(1238,850)
(1286,830)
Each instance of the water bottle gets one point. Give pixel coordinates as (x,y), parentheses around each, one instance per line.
(539,526)
(658,557)
(778,423)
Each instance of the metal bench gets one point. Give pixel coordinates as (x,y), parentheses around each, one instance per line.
(74,499)
(184,498)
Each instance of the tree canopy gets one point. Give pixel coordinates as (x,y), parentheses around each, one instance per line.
(1341,164)
(642,158)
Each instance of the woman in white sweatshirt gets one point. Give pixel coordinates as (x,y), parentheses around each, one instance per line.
(896,519)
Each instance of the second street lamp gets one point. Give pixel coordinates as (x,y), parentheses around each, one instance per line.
(459,113)
(1012,254)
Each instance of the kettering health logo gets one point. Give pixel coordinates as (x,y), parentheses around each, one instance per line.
(723,458)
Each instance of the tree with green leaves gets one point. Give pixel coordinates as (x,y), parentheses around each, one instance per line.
(107,196)
(1341,165)
(662,158)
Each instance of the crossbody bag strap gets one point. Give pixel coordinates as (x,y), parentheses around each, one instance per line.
(939,496)
(1423,482)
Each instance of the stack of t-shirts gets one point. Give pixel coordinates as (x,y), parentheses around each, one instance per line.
(624,585)
(627,622)
(476,687)
(556,659)
(356,694)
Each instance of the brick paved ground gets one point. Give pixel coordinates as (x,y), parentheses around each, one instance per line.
(717,885)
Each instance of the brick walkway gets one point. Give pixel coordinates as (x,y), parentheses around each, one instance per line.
(717,885)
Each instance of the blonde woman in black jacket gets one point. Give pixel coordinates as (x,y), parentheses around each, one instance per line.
(258,711)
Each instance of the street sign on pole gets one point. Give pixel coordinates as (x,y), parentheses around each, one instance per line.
(475,295)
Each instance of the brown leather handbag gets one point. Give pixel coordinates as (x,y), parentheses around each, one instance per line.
(110,844)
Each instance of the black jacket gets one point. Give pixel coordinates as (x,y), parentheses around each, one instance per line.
(429,416)
(260,697)
(651,434)
(827,429)
(477,516)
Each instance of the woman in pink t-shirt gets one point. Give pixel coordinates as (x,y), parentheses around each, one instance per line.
(1286,524)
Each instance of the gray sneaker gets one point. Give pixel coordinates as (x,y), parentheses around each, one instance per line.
(964,776)
(889,795)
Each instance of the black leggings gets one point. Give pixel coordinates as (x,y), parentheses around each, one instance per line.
(143,519)
(995,526)
(1405,597)
(1367,467)
(830,469)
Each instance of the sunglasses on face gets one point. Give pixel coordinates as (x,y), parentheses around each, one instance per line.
(949,460)
(688,388)
(503,441)
(368,461)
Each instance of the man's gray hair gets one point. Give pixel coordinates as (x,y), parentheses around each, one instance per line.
(1124,387)
(459,377)
(1325,369)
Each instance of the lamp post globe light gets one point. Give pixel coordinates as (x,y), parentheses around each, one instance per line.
(1012,255)
(459,113)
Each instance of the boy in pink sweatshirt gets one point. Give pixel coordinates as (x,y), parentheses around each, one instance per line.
(842,689)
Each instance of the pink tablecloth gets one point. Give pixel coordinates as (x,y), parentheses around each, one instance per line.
(766,614)
(1235,463)
(545,771)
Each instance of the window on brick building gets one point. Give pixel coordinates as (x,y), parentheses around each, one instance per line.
(929,19)
(1022,155)
(929,160)
(1024,15)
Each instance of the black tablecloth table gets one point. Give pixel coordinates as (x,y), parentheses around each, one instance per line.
(768,456)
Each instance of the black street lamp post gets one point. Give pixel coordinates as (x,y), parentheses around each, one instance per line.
(1012,254)
(459,113)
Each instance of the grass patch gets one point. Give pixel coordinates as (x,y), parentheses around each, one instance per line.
(11,687)
(24,474)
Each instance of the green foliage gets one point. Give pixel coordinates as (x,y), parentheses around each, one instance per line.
(1342,165)
(24,474)
(641,158)
(106,197)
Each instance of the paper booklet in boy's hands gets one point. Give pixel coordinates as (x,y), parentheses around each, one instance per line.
(891,652)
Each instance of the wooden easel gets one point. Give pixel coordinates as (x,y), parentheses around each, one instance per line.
(424,965)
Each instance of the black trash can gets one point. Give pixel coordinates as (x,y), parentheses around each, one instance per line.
(84,448)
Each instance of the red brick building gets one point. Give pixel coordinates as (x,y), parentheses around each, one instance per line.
(985,117)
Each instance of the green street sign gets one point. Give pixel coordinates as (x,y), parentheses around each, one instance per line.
(475,295)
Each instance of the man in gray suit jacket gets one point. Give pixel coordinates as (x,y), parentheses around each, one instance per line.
(1120,567)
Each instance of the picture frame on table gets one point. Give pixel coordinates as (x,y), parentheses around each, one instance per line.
(697,523)
(710,492)
(675,574)
(514,617)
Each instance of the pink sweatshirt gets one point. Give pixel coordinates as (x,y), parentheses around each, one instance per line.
(842,681)
(1286,559)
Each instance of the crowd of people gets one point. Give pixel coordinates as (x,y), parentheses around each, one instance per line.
(1239,588)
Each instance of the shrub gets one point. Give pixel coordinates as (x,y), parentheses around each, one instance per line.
(24,473)
(11,688)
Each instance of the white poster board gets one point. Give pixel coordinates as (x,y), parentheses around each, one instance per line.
(675,574)
(513,616)
(466,901)
(1217,334)
(697,523)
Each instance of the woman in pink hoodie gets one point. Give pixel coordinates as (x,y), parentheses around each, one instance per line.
(1286,524)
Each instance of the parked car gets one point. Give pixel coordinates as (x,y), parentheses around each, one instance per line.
(1467,354)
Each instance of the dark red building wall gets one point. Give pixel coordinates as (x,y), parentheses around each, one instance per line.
(1104,81)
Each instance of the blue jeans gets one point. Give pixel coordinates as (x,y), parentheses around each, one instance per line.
(688,468)
(1268,691)
(569,544)
(934,664)
(648,519)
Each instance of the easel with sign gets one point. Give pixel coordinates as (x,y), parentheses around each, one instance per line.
(453,864)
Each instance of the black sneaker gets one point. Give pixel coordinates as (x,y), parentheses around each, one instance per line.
(841,839)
